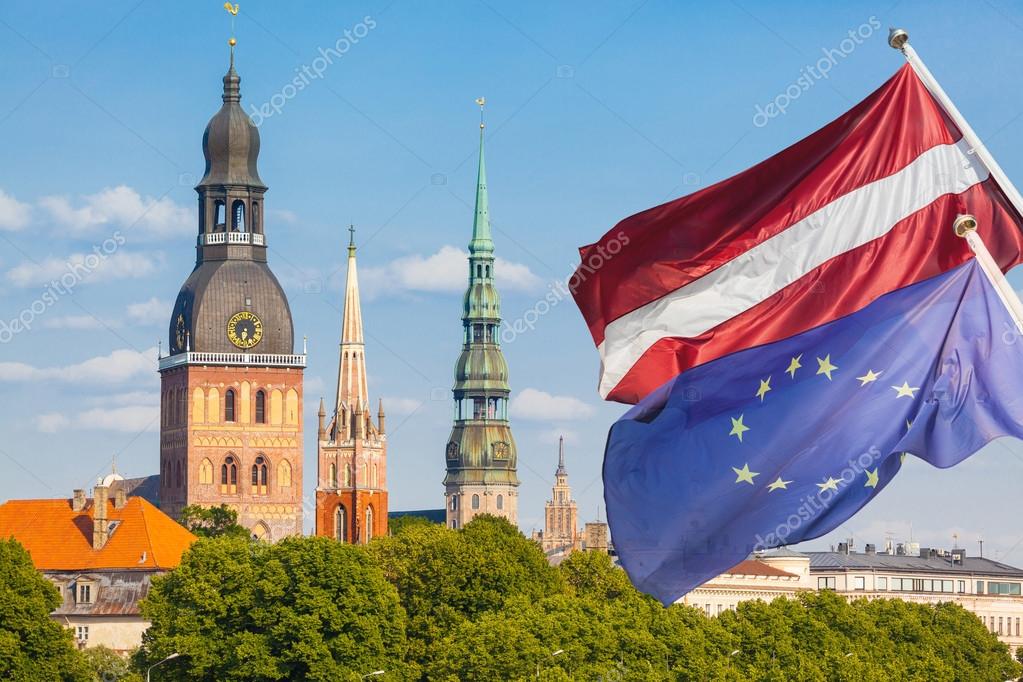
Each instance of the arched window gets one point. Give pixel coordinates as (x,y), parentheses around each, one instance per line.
(373,477)
(475,501)
(453,503)
(256,226)
(206,472)
(259,476)
(260,407)
(340,532)
(333,476)
(219,223)
(479,270)
(369,523)
(500,501)
(238,216)
(229,475)
(488,271)
(229,405)
(284,474)
(348,475)
(181,480)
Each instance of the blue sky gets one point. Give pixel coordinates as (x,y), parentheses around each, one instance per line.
(595,110)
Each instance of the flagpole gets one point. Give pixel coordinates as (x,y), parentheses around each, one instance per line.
(965,226)
(899,40)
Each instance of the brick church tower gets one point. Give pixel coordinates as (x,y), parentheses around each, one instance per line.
(351,491)
(561,514)
(480,454)
(231,387)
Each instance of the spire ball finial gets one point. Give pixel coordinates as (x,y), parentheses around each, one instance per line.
(481,101)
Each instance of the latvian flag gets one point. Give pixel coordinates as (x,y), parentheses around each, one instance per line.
(860,208)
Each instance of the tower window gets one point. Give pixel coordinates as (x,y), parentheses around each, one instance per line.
(260,407)
(488,271)
(348,475)
(229,475)
(229,405)
(369,523)
(259,475)
(340,533)
(333,475)
(219,222)
(256,226)
(500,502)
(453,504)
(479,270)
(238,216)
(475,501)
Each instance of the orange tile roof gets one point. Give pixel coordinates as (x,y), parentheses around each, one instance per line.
(59,538)
(754,567)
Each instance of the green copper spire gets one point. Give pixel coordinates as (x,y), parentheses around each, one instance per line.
(481,241)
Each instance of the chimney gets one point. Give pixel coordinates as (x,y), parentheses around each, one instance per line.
(120,499)
(78,501)
(100,523)
(870,549)
(843,548)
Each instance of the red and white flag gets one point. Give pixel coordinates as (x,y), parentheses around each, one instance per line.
(860,208)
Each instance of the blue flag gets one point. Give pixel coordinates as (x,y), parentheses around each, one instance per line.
(784,442)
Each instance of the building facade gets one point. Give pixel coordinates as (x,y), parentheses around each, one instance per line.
(101,554)
(561,534)
(231,386)
(351,491)
(480,454)
(749,580)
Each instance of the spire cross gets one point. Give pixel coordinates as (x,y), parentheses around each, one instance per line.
(351,240)
(481,101)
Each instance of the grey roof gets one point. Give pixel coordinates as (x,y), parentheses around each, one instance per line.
(918,564)
(116,593)
(777,552)
(146,487)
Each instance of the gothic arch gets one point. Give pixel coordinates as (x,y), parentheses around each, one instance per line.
(261,532)
(291,407)
(284,474)
(206,472)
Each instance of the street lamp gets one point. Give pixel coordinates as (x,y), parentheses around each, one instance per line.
(169,658)
(373,674)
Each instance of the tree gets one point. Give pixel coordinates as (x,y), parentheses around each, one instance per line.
(302,609)
(109,666)
(213,522)
(32,645)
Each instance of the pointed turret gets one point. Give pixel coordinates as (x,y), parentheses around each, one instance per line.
(561,458)
(322,415)
(481,243)
(381,419)
(352,391)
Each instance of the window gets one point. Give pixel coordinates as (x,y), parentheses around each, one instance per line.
(238,216)
(999,625)
(823,583)
(206,472)
(373,480)
(882,584)
(859,583)
(453,503)
(82,633)
(284,474)
(946,585)
(259,475)
(260,407)
(720,608)
(1017,627)
(340,533)
(229,476)
(181,481)
(84,593)
(218,221)
(1003,588)
(500,502)
(348,475)
(229,405)
(980,587)
(962,586)
(369,523)
(475,501)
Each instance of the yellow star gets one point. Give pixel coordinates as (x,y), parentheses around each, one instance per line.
(794,365)
(871,479)
(905,390)
(902,457)
(830,484)
(765,386)
(744,474)
(871,375)
(738,428)
(778,485)
(825,367)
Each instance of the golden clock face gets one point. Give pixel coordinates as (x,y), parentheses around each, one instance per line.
(244,329)
(179,332)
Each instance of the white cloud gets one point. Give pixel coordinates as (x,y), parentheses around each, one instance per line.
(84,267)
(130,398)
(548,436)
(118,366)
(153,311)
(75,322)
(444,271)
(51,422)
(14,215)
(283,215)
(531,403)
(401,406)
(121,207)
(129,419)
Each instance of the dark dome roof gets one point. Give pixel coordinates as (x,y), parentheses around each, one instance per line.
(216,290)
(231,142)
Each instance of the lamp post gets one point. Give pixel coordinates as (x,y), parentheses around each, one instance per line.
(373,674)
(169,658)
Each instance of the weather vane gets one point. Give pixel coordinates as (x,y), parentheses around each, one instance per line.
(481,101)
(233,11)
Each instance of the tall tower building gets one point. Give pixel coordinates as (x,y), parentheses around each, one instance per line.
(351,490)
(561,530)
(231,388)
(481,457)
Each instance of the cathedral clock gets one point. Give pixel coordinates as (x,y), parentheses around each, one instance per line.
(179,331)
(244,329)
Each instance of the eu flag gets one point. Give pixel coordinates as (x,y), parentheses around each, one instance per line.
(784,442)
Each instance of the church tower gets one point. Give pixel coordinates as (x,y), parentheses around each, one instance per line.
(351,490)
(481,457)
(561,532)
(231,387)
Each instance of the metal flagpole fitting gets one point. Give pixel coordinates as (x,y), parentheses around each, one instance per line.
(897,38)
(965,226)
